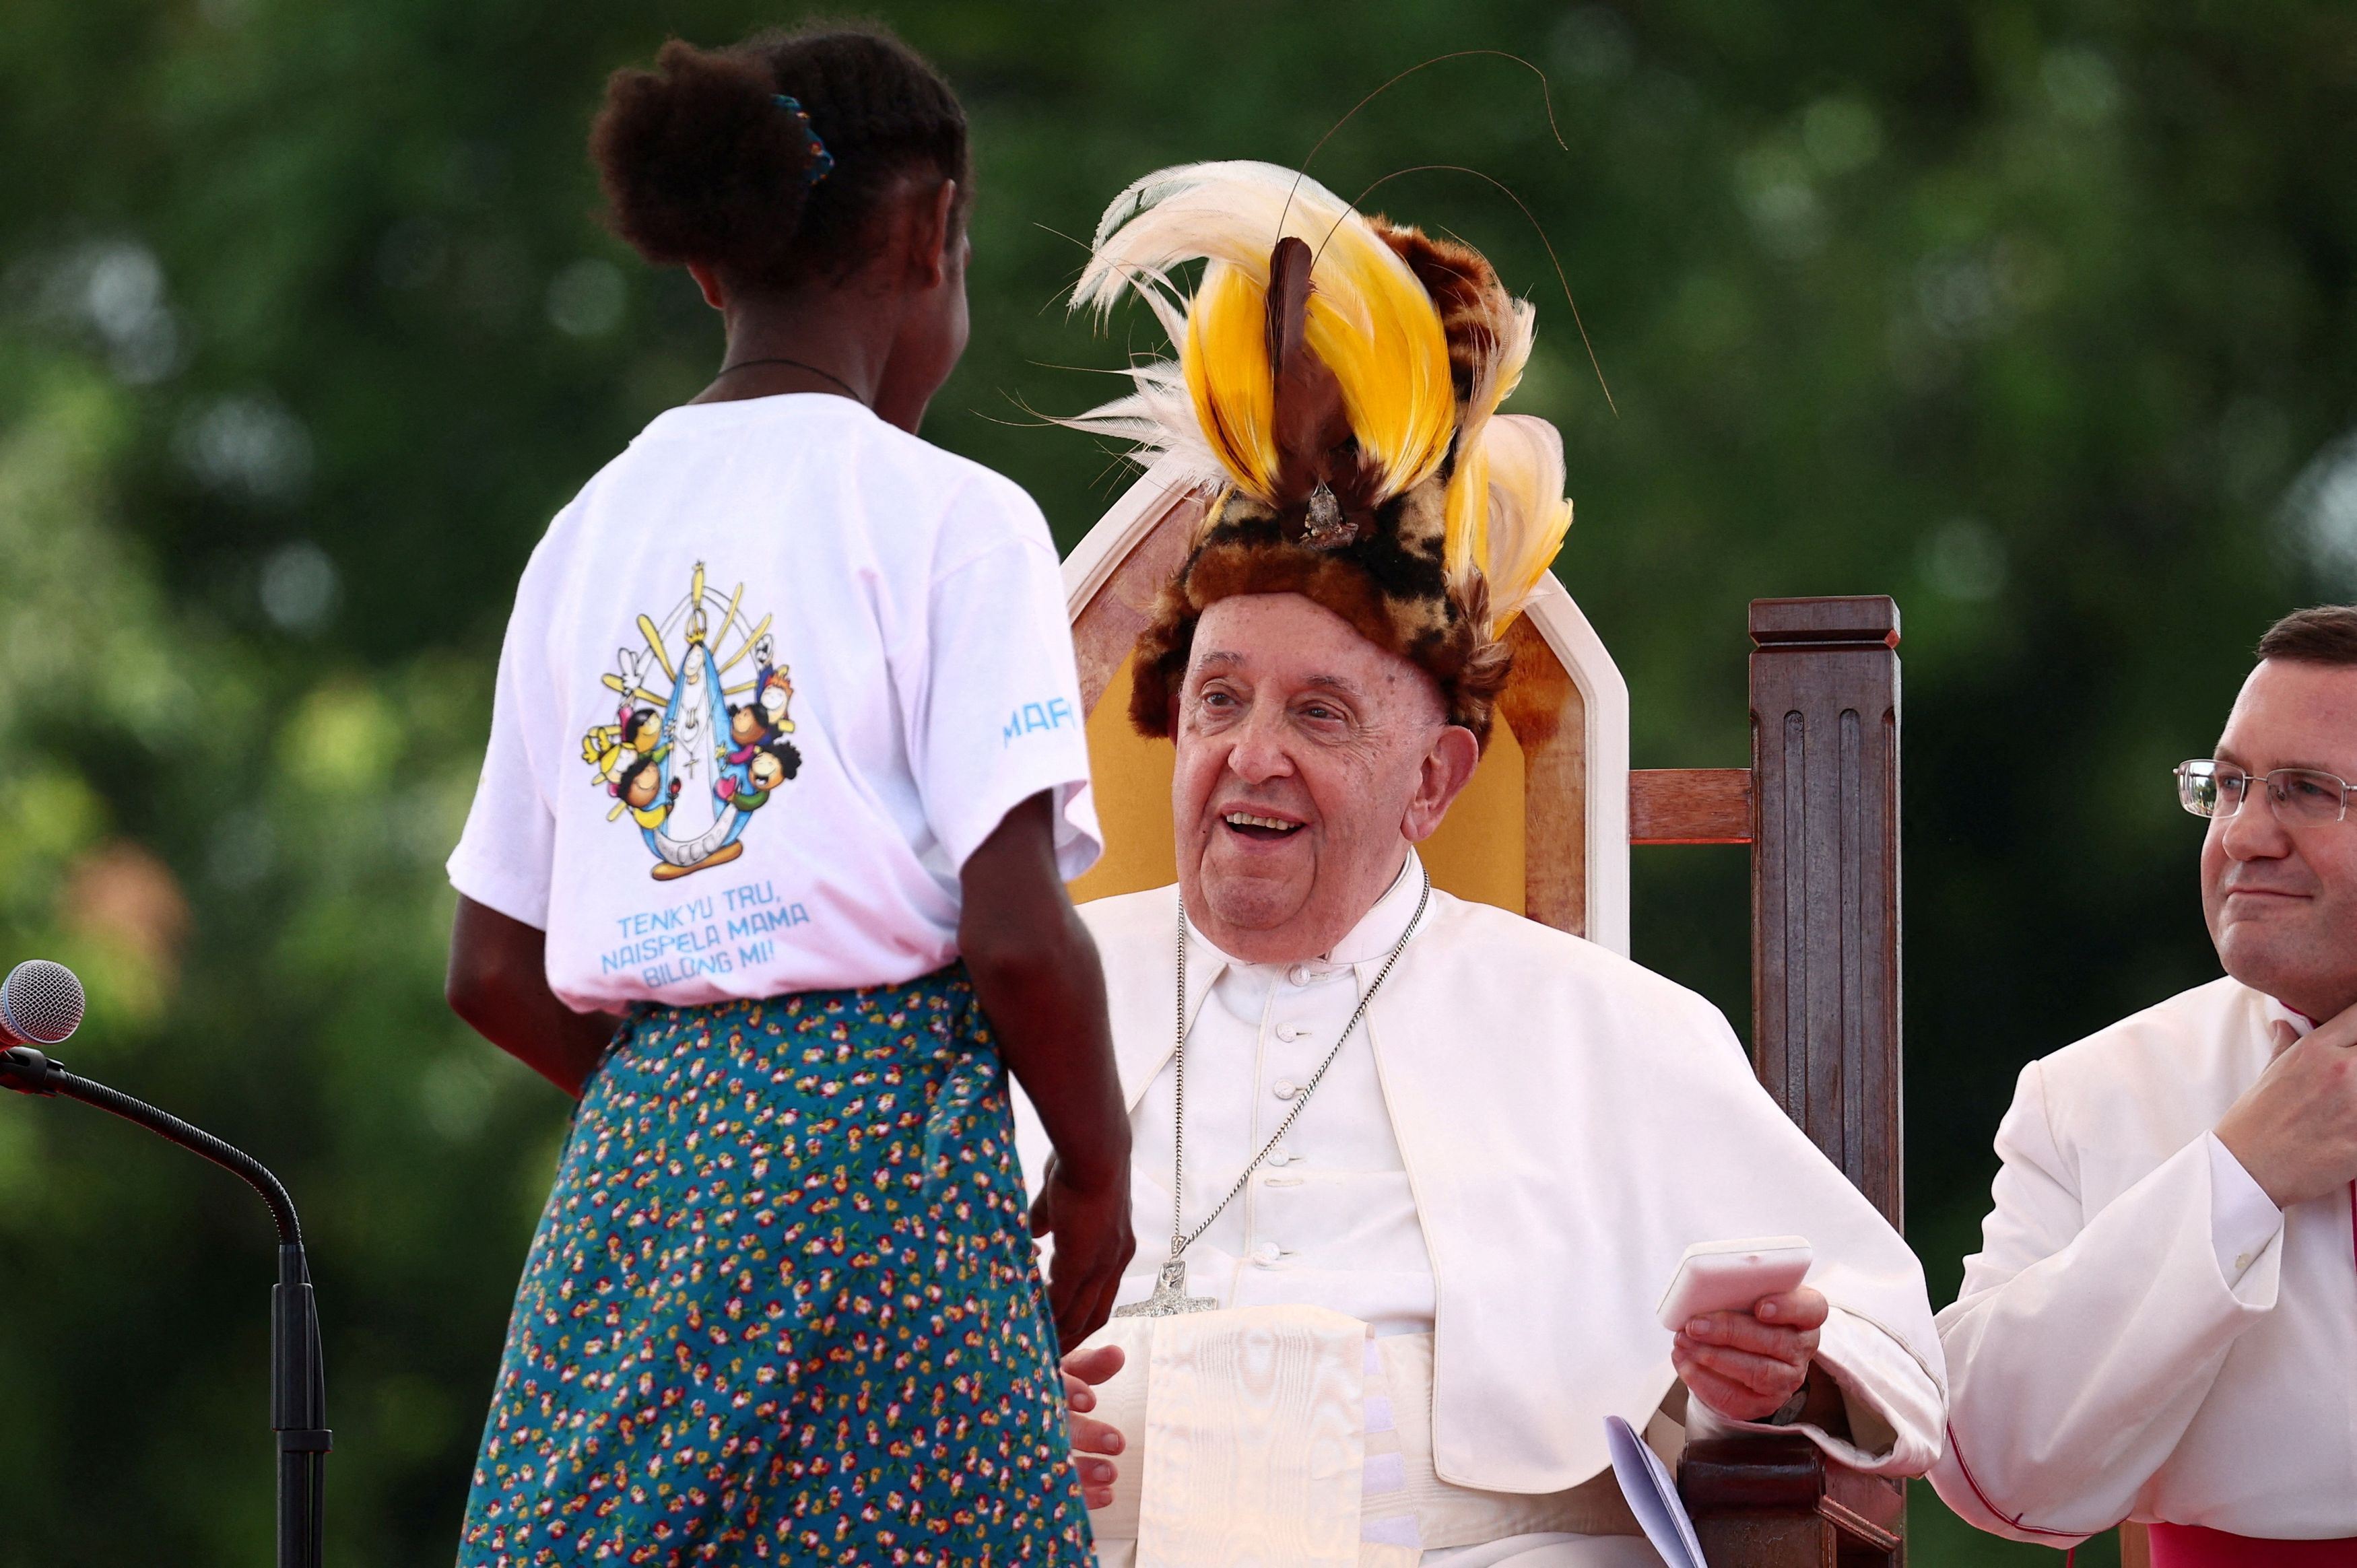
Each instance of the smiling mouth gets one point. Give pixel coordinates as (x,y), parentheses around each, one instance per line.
(1256,827)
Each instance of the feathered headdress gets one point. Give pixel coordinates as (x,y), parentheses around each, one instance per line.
(1338,382)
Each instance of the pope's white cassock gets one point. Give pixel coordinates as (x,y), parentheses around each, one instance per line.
(2144,1334)
(1445,1278)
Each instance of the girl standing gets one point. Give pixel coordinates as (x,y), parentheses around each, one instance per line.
(781,1305)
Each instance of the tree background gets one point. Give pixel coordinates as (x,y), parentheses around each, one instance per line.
(2037,315)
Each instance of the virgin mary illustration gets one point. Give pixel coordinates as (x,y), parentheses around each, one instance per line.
(673,760)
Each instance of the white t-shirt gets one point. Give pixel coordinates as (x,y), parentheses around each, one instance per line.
(773,676)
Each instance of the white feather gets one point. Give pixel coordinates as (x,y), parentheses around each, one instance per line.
(1528,513)
(1495,378)
(1233,211)
(1155,419)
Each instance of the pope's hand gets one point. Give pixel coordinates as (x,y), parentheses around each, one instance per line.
(2295,1129)
(1747,1366)
(1082,1369)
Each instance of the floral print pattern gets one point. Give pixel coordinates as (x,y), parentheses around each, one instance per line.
(782,1307)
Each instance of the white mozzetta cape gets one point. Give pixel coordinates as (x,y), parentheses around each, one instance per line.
(1570,1123)
(2106,1369)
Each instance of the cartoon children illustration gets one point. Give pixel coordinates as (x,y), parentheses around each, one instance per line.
(644,794)
(688,764)
(611,748)
(775,692)
(748,727)
(769,767)
(749,731)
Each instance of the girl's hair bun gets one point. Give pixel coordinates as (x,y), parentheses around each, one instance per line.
(702,164)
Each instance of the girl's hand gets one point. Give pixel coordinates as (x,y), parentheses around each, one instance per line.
(1090,1226)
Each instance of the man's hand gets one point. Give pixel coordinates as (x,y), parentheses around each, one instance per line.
(2295,1129)
(1082,1369)
(1747,1366)
(1094,1243)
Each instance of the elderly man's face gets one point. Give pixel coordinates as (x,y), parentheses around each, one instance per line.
(2281,899)
(1308,760)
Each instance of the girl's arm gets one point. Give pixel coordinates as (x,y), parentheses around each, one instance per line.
(499,984)
(1036,972)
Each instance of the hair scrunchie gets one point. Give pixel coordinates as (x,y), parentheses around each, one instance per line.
(821,162)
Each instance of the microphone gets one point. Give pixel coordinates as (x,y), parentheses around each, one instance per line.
(41,1004)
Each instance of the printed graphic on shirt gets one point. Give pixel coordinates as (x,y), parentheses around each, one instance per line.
(1035,718)
(688,763)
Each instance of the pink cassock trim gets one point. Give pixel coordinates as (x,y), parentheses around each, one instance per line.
(2014,1519)
(2191,1546)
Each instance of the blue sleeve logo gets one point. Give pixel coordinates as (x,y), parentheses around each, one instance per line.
(1033,718)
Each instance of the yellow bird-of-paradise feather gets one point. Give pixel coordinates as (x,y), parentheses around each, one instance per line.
(1224,357)
(1466,510)
(1375,329)
(1370,321)
(1522,462)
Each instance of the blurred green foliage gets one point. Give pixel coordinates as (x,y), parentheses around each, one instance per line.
(2037,315)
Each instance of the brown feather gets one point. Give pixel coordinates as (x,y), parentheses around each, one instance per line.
(1310,423)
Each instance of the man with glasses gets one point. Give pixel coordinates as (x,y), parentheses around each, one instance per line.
(2161,1324)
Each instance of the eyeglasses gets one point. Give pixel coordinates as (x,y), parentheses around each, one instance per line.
(2301,796)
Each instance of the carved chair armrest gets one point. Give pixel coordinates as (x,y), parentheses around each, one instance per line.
(1761,1501)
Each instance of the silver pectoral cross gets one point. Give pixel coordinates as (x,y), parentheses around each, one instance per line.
(1169,1298)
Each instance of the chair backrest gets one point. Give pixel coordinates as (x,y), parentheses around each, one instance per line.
(1543,828)
(1546,826)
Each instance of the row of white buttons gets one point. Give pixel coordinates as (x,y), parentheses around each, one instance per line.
(1269,1255)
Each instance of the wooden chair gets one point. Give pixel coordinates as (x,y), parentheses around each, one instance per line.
(1544,829)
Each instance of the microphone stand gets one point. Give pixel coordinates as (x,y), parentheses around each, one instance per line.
(299,1384)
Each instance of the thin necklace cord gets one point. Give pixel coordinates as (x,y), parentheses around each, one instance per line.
(797,364)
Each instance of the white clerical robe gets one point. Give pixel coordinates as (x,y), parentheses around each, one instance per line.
(1328,1217)
(2143,1334)
(1508,1160)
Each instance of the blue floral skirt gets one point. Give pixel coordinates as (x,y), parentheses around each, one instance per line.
(782,1306)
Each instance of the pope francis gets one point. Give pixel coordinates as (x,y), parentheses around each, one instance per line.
(1410,1172)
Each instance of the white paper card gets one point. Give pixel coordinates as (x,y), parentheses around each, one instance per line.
(1652,1496)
